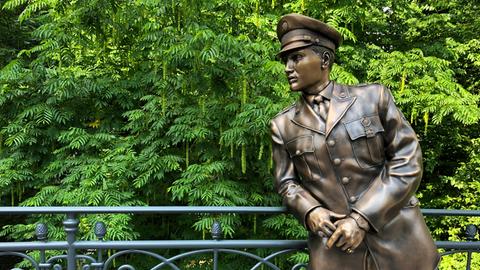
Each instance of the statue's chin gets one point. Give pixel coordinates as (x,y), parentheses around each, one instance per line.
(294,88)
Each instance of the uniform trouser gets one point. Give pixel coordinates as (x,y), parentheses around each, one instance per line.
(361,259)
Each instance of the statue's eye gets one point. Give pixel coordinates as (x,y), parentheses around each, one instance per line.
(297,57)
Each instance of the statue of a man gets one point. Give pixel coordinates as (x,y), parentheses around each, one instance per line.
(347,162)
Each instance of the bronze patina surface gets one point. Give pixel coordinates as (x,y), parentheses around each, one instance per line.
(347,162)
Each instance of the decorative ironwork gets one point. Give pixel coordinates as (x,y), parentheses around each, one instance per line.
(210,248)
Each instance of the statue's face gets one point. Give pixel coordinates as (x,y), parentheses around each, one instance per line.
(304,71)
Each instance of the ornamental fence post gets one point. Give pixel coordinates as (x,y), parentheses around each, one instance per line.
(216,235)
(470,233)
(70,225)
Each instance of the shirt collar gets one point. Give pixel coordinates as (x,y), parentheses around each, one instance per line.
(326,92)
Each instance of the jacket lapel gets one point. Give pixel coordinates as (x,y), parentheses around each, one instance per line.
(339,104)
(307,118)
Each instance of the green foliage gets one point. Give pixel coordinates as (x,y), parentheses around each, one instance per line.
(425,85)
(168,102)
(465,180)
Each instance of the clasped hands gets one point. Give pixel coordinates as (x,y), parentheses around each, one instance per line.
(340,229)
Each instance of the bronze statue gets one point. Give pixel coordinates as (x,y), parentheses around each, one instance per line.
(347,162)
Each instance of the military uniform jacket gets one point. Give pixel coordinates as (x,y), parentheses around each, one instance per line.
(365,158)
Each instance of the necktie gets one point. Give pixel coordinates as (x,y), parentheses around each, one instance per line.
(320,106)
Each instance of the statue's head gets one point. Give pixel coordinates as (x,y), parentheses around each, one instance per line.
(308,51)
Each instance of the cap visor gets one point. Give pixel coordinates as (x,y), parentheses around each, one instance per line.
(293,46)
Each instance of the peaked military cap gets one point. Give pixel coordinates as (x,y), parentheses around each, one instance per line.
(298,31)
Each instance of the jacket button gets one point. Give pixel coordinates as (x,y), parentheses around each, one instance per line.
(346,180)
(369,132)
(353,199)
(331,143)
(337,161)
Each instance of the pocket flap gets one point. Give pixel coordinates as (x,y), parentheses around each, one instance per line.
(366,126)
(300,145)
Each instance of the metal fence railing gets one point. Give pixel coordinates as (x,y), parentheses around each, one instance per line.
(97,259)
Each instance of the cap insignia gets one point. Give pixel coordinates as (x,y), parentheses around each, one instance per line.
(284,26)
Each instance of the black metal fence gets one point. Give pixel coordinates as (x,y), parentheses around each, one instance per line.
(210,248)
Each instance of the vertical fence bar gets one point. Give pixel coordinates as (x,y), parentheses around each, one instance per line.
(216,235)
(215,259)
(469,260)
(470,233)
(100,231)
(41,231)
(70,225)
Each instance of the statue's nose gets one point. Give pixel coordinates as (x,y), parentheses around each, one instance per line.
(288,67)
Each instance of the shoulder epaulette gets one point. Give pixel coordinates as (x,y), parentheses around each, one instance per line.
(367,84)
(285,110)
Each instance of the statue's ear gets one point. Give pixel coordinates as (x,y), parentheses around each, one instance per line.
(326,58)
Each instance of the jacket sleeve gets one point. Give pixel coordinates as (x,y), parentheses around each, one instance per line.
(297,199)
(400,177)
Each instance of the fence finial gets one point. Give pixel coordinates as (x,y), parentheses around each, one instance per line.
(217,230)
(471,232)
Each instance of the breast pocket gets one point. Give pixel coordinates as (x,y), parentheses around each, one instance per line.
(366,135)
(298,149)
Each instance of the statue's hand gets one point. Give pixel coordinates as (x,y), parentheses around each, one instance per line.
(348,235)
(321,220)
